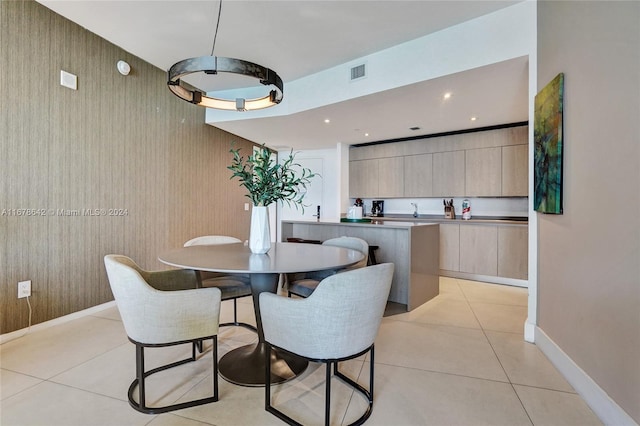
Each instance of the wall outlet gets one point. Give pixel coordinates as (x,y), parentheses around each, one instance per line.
(24,289)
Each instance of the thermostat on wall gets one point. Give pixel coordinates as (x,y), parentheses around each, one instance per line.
(68,80)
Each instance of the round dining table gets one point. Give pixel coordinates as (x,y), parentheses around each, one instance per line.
(245,365)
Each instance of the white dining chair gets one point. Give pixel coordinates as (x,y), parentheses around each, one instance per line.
(337,322)
(304,284)
(232,286)
(159,309)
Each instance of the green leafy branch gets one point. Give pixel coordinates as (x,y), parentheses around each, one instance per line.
(268,181)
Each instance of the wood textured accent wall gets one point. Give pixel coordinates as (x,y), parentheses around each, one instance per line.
(118,142)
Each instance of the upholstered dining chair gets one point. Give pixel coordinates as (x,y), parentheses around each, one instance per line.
(159,309)
(232,286)
(338,322)
(304,284)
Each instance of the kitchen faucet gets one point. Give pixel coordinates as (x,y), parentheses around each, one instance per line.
(415,209)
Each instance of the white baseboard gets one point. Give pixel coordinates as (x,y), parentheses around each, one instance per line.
(602,405)
(485,278)
(56,321)
(529,332)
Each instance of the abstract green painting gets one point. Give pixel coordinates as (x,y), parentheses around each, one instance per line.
(547,135)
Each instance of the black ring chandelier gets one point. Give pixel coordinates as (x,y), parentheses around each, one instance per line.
(213,65)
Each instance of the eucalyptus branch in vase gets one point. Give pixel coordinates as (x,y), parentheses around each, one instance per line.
(267,182)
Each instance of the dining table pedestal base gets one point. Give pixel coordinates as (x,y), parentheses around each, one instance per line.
(245,365)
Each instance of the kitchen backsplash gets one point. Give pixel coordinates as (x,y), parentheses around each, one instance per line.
(516,206)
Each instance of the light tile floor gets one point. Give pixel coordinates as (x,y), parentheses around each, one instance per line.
(459,359)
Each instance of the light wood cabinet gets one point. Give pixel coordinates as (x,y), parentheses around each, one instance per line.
(390,177)
(448,174)
(450,246)
(484,164)
(363,178)
(483,168)
(513,252)
(479,249)
(376,178)
(492,250)
(418,175)
(515,171)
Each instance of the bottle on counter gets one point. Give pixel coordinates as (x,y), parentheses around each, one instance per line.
(466,209)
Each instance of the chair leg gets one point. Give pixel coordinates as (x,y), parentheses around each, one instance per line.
(235,311)
(330,365)
(267,376)
(371,364)
(366,393)
(235,319)
(141,375)
(327,394)
(267,390)
(215,367)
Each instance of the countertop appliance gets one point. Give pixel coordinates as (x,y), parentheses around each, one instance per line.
(377,208)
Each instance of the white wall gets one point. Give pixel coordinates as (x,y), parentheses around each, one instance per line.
(589,257)
(498,36)
(330,177)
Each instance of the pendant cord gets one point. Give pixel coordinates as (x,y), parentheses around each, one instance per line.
(215,36)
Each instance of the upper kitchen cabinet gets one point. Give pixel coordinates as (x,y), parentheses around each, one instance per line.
(376,178)
(448,174)
(515,171)
(363,178)
(483,163)
(390,177)
(418,175)
(483,169)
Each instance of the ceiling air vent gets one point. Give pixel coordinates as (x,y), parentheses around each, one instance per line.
(357,72)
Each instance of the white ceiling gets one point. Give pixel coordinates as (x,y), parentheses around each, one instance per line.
(302,37)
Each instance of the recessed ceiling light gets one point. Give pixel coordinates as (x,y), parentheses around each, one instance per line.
(474,118)
(366,134)
(447,95)
(326,120)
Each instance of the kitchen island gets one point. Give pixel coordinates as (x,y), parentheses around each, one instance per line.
(412,247)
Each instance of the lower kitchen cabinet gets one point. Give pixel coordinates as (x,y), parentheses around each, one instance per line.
(513,252)
(479,249)
(450,246)
(490,250)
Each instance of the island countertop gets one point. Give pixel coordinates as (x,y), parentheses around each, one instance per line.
(375,222)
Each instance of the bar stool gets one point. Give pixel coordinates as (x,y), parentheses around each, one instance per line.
(372,256)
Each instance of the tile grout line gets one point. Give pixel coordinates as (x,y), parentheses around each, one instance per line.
(497,357)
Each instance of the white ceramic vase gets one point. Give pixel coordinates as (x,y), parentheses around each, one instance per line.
(259,235)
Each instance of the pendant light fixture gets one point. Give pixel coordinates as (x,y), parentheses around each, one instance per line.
(213,65)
